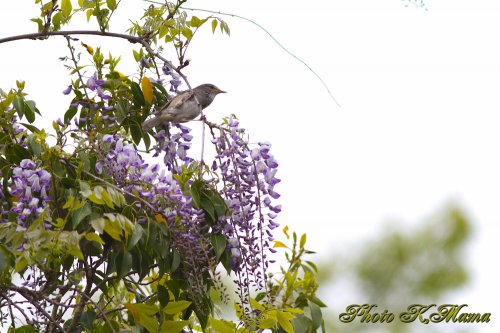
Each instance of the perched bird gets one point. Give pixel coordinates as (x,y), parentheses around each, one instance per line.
(184,107)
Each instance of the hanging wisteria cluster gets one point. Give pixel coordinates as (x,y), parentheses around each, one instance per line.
(249,177)
(150,182)
(29,186)
(163,193)
(174,144)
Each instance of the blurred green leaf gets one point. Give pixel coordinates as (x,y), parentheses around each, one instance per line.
(111,4)
(163,295)
(137,94)
(219,244)
(316,315)
(214,25)
(188,33)
(66,7)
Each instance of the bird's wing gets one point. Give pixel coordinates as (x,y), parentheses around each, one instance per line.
(173,107)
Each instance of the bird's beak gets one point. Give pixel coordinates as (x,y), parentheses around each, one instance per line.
(220,91)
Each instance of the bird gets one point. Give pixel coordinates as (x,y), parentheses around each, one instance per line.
(184,107)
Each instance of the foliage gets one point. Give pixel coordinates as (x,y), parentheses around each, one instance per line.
(95,239)
(406,265)
(429,261)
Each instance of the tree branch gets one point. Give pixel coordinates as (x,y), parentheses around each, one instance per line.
(32,298)
(41,35)
(143,40)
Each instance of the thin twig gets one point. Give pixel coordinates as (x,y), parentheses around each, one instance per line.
(274,39)
(30,297)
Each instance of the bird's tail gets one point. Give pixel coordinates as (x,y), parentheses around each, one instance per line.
(150,123)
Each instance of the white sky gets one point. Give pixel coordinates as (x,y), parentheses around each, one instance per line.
(418,125)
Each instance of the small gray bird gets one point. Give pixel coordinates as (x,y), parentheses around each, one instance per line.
(184,107)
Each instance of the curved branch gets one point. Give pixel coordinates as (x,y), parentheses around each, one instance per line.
(41,35)
(143,40)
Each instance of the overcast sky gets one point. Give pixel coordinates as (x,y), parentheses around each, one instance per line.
(417,126)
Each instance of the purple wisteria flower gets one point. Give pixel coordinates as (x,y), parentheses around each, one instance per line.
(163,192)
(97,85)
(175,145)
(175,80)
(249,177)
(144,63)
(68,90)
(30,186)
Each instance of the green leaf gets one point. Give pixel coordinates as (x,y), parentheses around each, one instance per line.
(69,203)
(18,103)
(23,329)
(188,33)
(214,25)
(195,22)
(21,263)
(6,259)
(163,295)
(256,305)
(117,226)
(137,94)
(319,302)
(284,321)
(66,7)
(95,195)
(35,147)
(302,324)
(98,224)
(143,315)
(176,260)
(303,240)
(162,31)
(316,315)
(222,326)
(111,4)
(149,323)
(16,153)
(87,319)
(219,244)
(225,28)
(176,307)
(279,244)
(107,200)
(145,309)
(74,250)
(267,322)
(195,191)
(39,22)
(93,237)
(137,55)
(80,214)
(70,114)
(173,326)
(56,20)
(123,263)
(147,140)
(89,14)
(208,206)
(121,108)
(136,132)
(136,237)
(312,265)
